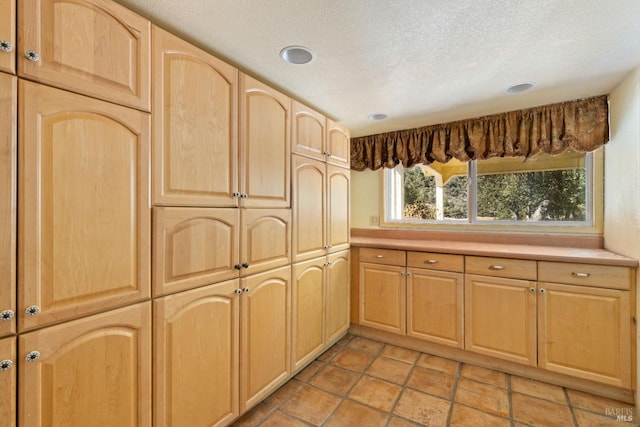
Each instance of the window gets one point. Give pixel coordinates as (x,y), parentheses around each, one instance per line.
(543,190)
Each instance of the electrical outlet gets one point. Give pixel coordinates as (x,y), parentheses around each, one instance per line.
(374,220)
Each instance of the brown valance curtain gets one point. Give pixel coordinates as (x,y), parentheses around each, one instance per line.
(582,125)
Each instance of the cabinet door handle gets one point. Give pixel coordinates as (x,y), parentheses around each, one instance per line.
(379,256)
(245,265)
(542,291)
(580,275)
(532,289)
(32,356)
(246,289)
(5,46)
(496,267)
(32,310)
(5,365)
(431,261)
(238,291)
(6,315)
(32,56)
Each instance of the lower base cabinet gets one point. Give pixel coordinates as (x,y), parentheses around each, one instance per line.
(8,381)
(91,371)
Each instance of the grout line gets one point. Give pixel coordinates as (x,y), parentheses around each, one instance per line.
(510,399)
(568,400)
(454,390)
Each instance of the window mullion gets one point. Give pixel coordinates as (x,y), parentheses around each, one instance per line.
(472,187)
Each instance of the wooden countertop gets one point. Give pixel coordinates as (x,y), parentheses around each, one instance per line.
(500,250)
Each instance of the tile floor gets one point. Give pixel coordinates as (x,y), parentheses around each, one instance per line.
(365,383)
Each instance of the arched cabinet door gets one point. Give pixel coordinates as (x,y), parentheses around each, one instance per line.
(194,247)
(8,36)
(338,214)
(309,208)
(338,145)
(8,381)
(337,305)
(265,239)
(308,132)
(94,47)
(96,369)
(195,144)
(84,214)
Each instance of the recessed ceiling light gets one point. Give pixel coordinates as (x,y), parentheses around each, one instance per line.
(377,116)
(297,55)
(520,87)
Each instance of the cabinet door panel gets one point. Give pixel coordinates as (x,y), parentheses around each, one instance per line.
(585,332)
(265,239)
(84,205)
(338,215)
(97,368)
(308,132)
(95,47)
(8,35)
(500,318)
(8,172)
(193,247)
(265,331)
(309,201)
(8,382)
(196,356)
(307,325)
(435,306)
(194,125)
(338,145)
(265,150)
(383,297)
(337,296)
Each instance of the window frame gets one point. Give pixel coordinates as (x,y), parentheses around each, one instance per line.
(594,182)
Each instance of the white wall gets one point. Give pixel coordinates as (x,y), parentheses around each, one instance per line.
(622,176)
(366,190)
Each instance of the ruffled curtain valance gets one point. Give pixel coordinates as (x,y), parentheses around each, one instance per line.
(582,125)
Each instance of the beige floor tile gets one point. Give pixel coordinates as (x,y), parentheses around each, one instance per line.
(278,419)
(590,419)
(254,416)
(311,405)
(366,345)
(327,355)
(482,396)
(351,413)
(438,363)
(377,393)
(594,403)
(399,422)
(484,375)
(463,416)
(537,412)
(431,381)
(283,393)
(345,340)
(399,353)
(334,380)
(309,371)
(352,359)
(538,389)
(390,370)
(422,408)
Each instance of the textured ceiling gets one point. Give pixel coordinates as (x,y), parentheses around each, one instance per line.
(420,62)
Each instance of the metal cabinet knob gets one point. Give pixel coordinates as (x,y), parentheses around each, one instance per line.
(32,356)
(542,291)
(237,267)
(532,289)
(5,365)
(245,265)
(236,194)
(32,56)
(5,46)
(32,310)
(580,275)
(244,195)
(431,261)
(246,289)
(238,291)
(496,267)
(6,315)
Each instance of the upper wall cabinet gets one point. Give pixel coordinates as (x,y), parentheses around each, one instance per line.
(94,47)
(338,145)
(194,125)
(8,102)
(309,131)
(265,154)
(8,36)
(84,217)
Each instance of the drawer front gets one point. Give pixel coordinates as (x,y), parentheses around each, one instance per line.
(435,261)
(501,267)
(383,256)
(603,276)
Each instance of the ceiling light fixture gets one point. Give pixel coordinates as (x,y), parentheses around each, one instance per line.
(297,55)
(522,87)
(377,116)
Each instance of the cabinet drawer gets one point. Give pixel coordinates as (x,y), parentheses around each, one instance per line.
(383,256)
(434,261)
(501,267)
(602,276)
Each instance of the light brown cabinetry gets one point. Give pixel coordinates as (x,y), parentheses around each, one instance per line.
(337,299)
(84,220)
(97,368)
(320,208)
(265,331)
(196,356)
(8,36)
(8,180)
(435,298)
(8,381)
(338,145)
(308,132)
(98,48)
(195,143)
(265,150)
(198,246)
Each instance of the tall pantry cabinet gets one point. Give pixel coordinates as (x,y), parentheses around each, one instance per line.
(7,36)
